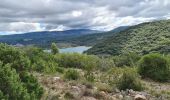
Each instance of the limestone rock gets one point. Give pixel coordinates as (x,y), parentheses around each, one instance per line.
(140,97)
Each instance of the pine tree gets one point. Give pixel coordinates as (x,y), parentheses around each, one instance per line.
(54,48)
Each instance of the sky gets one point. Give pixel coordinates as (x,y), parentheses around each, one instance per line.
(20,16)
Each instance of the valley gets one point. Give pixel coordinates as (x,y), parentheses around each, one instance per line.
(127,63)
(84,49)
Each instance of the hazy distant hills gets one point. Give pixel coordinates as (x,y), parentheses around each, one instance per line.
(44,38)
(143,38)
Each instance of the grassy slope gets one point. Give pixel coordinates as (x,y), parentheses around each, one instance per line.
(142,38)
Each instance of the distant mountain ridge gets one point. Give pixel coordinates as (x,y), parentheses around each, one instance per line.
(44,38)
(85,37)
(142,39)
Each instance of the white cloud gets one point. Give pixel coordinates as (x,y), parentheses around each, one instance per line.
(19,27)
(37,15)
(76,13)
(60,28)
(24,27)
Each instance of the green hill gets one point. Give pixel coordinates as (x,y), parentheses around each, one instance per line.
(142,38)
(92,39)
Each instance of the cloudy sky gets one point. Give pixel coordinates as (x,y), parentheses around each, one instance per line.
(18,16)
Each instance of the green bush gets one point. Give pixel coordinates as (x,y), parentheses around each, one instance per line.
(129,59)
(89,76)
(104,87)
(16,57)
(41,61)
(60,69)
(11,85)
(16,83)
(2,96)
(68,96)
(112,75)
(155,66)
(129,80)
(32,85)
(75,60)
(71,74)
(45,66)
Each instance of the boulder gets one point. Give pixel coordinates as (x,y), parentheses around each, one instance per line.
(119,96)
(140,97)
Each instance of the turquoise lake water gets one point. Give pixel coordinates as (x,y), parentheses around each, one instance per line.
(78,49)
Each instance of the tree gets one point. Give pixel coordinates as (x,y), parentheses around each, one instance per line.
(54,48)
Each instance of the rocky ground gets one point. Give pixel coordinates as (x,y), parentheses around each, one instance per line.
(58,89)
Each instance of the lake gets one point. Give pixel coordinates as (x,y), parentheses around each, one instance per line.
(78,49)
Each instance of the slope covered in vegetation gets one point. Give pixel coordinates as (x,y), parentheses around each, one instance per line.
(143,39)
(92,39)
(29,73)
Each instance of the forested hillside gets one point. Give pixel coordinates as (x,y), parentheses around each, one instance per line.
(142,39)
(92,39)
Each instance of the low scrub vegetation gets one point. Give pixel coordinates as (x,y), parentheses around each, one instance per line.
(75,60)
(19,65)
(130,80)
(71,74)
(15,82)
(155,66)
(129,59)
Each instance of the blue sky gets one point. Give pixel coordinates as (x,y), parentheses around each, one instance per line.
(18,16)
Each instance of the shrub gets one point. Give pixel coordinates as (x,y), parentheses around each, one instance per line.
(129,59)
(89,76)
(68,96)
(45,66)
(88,85)
(155,66)
(2,96)
(112,75)
(11,85)
(16,83)
(41,61)
(32,85)
(17,58)
(60,69)
(83,61)
(71,74)
(129,80)
(75,60)
(104,87)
